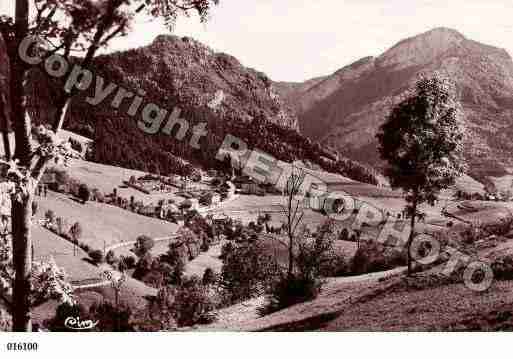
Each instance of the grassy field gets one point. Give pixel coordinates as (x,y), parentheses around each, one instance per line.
(106,178)
(103,224)
(47,244)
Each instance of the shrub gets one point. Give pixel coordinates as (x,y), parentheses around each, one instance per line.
(84,193)
(176,257)
(226,249)
(110,318)
(127,262)
(473,233)
(98,195)
(62,227)
(344,235)
(143,266)
(62,312)
(209,277)
(193,305)
(247,271)
(503,267)
(290,291)
(50,216)
(374,257)
(143,245)
(111,258)
(96,256)
(85,247)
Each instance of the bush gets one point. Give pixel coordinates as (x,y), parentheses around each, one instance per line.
(344,235)
(226,249)
(63,227)
(374,257)
(247,272)
(286,292)
(127,262)
(503,267)
(98,195)
(143,245)
(85,247)
(62,312)
(84,193)
(209,277)
(111,258)
(96,256)
(50,216)
(110,318)
(193,305)
(176,257)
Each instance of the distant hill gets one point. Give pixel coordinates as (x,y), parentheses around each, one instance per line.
(208,87)
(345,109)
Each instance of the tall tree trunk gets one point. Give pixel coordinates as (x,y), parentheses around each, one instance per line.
(21,213)
(17,91)
(412,232)
(5,64)
(291,257)
(4,115)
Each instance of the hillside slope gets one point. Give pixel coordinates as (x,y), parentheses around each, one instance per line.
(208,89)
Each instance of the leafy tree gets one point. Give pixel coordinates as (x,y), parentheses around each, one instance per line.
(64,26)
(143,266)
(247,271)
(193,304)
(143,245)
(422,142)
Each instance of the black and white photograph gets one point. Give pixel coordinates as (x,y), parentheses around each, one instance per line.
(190,167)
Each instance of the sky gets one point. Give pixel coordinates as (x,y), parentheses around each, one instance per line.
(295,40)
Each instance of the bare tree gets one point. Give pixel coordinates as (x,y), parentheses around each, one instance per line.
(293,214)
(65,27)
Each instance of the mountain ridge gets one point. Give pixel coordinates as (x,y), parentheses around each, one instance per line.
(209,88)
(346,108)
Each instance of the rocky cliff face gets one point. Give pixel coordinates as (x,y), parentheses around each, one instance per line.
(346,108)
